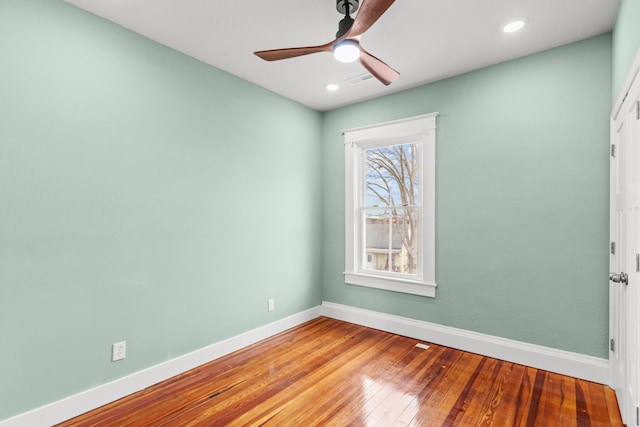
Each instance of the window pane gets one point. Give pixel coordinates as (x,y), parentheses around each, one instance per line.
(406,229)
(391,240)
(378,238)
(392,176)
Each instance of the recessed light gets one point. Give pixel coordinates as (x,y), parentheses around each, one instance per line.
(332,87)
(514,25)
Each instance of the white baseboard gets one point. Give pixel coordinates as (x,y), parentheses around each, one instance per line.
(549,359)
(80,403)
(563,362)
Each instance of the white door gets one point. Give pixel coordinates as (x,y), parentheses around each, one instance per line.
(624,294)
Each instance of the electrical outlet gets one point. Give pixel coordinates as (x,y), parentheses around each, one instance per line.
(271,304)
(118,351)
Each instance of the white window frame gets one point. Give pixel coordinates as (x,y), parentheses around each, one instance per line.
(420,130)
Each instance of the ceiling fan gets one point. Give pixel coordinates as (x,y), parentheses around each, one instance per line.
(346,46)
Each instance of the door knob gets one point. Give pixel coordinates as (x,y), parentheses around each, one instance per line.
(619,278)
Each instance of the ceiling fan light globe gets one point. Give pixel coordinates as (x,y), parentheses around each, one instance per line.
(346,51)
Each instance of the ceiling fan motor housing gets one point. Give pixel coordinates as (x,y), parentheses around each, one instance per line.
(341,6)
(344,26)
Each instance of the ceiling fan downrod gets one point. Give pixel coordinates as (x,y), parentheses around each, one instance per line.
(345,7)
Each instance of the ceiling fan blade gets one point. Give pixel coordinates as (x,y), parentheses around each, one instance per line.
(277,54)
(370,11)
(377,68)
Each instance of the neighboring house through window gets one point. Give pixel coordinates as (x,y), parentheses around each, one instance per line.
(390,205)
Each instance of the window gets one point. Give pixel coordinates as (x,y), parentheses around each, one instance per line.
(390,205)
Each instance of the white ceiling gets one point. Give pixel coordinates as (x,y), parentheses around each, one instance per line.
(425,40)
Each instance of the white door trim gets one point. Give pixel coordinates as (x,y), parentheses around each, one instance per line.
(624,230)
(633,72)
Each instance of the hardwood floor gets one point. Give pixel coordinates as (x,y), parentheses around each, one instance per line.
(331,373)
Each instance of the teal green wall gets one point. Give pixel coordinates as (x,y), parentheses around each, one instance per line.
(626,42)
(144,196)
(522,199)
(147,197)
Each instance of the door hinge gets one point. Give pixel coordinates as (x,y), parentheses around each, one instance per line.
(637,110)
(637,263)
(613,150)
(612,344)
(613,248)
(638,415)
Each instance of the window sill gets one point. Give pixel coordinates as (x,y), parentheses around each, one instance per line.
(391,284)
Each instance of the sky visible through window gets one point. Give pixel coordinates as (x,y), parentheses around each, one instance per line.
(392,176)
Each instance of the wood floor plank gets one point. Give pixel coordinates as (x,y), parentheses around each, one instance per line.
(454,379)
(597,405)
(332,373)
(488,379)
(611,401)
(567,413)
(500,397)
